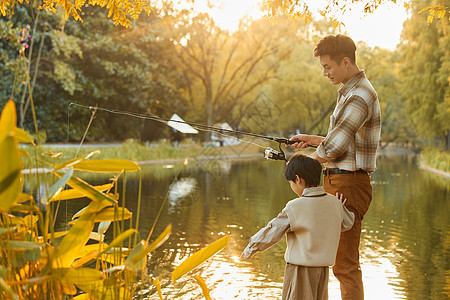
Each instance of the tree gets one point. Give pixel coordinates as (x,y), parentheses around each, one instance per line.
(333,9)
(425,50)
(122,12)
(221,69)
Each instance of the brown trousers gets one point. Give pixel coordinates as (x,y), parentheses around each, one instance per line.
(305,283)
(357,189)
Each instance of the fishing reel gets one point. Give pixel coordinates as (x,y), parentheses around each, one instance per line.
(270,153)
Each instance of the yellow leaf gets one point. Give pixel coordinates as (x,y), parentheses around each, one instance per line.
(68,288)
(85,259)
(8,120)
(84,296)
(119,239)
(23,137)
(74,161)
(158,287)
(78,275)
(425,8)
(10,162)
(107,166)
(199,257)
(75,240)
(202,284)
(135,258)
(88,190)
(74,193)
(109,214)
(30,220)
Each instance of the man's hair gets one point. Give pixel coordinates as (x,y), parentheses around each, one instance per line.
(305,167)
(337,47)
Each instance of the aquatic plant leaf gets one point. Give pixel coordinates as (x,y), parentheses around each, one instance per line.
(4,230)
(110,214)
(199,257)
(24,198)
(93,207)
(84,296)
(78,275)
(88,190)
(75,240)
(57,187)
(103,226)
(157,283)
(8,120)
(140,256)
(115,269)
(202,284)
(74,161)
(24,208)
(137,264)
(119,239)
(10,175)
(23,137)
(9,179)
(5,287)
(16,245)
(13,220)
(74,193)
(85,259)
(161,239)
(68,288)
(107,166)
(30,220)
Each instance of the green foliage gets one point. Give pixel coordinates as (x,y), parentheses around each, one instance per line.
(436,158)
(424,75)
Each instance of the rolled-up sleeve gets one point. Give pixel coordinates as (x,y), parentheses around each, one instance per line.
(268,236)
(344,129)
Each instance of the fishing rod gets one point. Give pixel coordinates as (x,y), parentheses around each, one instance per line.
(269,153)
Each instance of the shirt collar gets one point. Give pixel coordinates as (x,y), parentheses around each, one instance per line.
(313,191)
(345,88)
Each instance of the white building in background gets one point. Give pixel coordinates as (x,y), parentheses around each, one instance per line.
(225,139)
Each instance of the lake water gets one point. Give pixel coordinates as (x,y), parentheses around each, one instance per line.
(405,241)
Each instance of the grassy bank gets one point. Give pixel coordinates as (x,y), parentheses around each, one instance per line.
(436,159)
(138,152)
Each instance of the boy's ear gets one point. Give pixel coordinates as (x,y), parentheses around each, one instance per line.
(297,179)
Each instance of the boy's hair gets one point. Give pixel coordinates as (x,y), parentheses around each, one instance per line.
(337,47)
(305,167)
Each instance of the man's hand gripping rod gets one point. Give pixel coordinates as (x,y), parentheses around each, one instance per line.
(270,153)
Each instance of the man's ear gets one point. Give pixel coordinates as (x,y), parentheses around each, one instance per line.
(346,61)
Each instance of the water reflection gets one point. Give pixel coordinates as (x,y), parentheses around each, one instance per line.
(404,242)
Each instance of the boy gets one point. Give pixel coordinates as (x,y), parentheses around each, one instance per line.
(312,224)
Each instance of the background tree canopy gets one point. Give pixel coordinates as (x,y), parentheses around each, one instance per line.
(261,78)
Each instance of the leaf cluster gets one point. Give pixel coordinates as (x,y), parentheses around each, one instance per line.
(37,261)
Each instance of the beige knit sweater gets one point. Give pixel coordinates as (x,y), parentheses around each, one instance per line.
(312,225)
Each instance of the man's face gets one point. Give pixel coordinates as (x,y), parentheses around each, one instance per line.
(337,73)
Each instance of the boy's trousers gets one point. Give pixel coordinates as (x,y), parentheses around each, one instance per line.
(357,189)
(305,283)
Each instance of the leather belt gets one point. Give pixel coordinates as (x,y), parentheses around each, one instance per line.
(339,171)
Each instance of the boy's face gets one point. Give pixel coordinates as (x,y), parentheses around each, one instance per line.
(337,73)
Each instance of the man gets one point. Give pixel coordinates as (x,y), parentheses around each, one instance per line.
(348,151)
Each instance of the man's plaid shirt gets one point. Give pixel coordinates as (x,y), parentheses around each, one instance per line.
(355,127)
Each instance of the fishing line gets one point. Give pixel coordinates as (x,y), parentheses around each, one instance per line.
(201,127)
